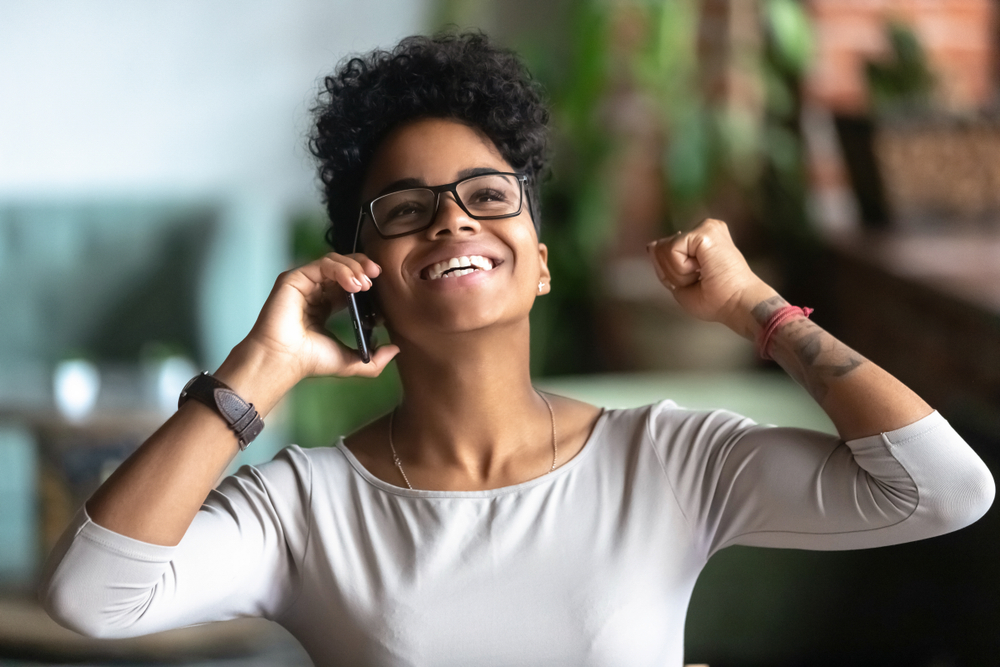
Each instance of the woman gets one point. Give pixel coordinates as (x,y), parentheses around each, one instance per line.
(483,522)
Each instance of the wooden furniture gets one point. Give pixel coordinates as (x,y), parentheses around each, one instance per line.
(926,306)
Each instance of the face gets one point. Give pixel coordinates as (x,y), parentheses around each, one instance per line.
(414,298)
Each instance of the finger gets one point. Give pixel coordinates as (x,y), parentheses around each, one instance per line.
(368,266)
(674,262)
(651,251)
(306,280)
(334,296)
(683,255)
(714,228)
(379,360)
(317,314)
(712,246)
(332,268)
(344,271)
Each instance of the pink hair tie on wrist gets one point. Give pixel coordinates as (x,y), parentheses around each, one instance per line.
(778,318)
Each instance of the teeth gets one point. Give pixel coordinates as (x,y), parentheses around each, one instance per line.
(480,262)
(471,263)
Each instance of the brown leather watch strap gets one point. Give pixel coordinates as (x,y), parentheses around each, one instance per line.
(241,416)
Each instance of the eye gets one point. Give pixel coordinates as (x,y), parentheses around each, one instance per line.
(487,195)
(403,210)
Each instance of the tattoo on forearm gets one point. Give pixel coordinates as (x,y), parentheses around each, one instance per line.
(809,354)
(763,310)
(808,347)
(818,358)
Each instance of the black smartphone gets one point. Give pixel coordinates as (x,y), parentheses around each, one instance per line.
(362,308)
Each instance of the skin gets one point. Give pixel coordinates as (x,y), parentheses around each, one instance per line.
(470,418)
(711,280)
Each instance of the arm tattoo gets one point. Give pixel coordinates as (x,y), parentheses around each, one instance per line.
(809,354)
(763,310)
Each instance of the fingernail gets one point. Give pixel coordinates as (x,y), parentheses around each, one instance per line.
(357,283)
(368,280)
(650,245)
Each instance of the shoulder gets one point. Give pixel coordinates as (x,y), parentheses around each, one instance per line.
(295,462)
(286,480)
(667,420)
(292,466)
(670,428)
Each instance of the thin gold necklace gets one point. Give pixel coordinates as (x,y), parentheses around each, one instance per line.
(555,448)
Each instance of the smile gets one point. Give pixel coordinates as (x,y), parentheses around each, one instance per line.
(459,266)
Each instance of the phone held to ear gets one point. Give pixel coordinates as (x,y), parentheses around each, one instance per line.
(361,307)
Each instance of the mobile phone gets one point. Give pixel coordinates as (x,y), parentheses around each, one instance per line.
(362,309)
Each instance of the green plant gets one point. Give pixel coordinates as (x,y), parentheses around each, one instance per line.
(903,82)
(649,49)
(577,211)
(324,408)
(783,180)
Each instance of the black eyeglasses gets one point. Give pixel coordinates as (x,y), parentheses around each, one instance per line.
(483,197)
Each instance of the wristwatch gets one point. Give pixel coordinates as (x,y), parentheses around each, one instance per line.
(241,416)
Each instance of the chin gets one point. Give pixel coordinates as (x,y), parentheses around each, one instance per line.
(458,323)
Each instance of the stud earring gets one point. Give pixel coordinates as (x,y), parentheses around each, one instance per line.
(540,286)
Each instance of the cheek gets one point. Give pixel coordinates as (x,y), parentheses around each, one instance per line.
(529,261)
(388,254)
(368,240)
(387,298)
(391,287)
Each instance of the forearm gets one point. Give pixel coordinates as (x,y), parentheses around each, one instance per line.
(712,281)
(860,398)
(154,495)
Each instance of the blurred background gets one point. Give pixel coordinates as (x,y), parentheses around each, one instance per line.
(154,180)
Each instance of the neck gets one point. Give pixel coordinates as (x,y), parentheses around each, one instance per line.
(469,403)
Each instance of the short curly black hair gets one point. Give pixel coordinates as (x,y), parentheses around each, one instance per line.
(461,76)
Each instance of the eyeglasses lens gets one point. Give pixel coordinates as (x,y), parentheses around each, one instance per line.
(487,196)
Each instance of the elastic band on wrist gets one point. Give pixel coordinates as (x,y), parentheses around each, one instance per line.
(778,318)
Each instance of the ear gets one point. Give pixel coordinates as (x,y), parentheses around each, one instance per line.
(544,276)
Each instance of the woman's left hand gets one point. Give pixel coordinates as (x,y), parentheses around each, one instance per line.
(709,276)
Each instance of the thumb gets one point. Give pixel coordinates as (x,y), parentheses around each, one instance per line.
(682,257)
(379,360)
(674,260)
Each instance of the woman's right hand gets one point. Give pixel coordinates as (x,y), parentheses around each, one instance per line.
(154,495)
(292,323)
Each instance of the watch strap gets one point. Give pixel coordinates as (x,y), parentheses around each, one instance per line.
(241,416)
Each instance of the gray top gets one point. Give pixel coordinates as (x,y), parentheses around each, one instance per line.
(592,564)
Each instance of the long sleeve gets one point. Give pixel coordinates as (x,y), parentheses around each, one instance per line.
(740,483)
(240,557)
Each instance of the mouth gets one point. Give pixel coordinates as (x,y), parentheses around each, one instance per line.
(458,266)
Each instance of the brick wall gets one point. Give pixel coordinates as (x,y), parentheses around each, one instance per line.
(961,40)
(959,36)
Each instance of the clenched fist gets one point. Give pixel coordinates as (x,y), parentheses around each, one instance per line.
(709,276)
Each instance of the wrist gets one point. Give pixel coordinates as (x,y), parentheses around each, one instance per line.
(752,309)
(258,375)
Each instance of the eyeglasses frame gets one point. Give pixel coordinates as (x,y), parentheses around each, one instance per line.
(437,190)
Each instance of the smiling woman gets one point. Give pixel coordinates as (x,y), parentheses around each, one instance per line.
(481,521)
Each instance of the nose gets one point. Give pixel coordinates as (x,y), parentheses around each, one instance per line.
(450,218)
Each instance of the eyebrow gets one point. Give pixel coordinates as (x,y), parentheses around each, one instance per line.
(406,183)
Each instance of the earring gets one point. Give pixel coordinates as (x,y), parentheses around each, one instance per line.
(540,286)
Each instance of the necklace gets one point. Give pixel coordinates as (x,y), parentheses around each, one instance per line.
(555,448)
